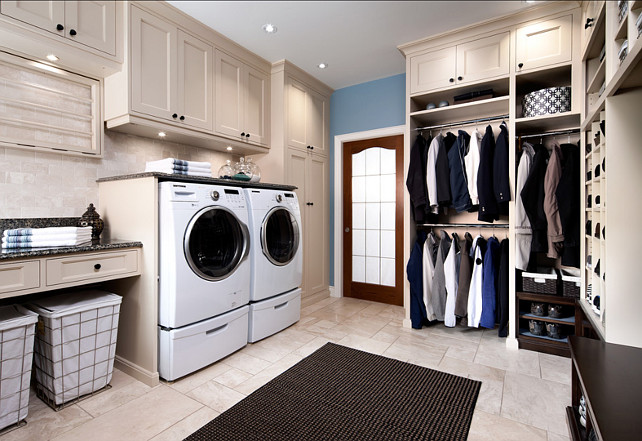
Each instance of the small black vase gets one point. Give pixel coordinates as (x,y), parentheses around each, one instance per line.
(91,218)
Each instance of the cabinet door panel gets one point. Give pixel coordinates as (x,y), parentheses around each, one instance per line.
(317,225)
(297,95)
(295,175)
(543,44)
(94,22)
(195,81)
(42,14)
(316,109)
(483,58)
(153,69)
(229,95)
(433,70)
(255,105)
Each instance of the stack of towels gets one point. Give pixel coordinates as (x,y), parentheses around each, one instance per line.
(45,237)
(180,167)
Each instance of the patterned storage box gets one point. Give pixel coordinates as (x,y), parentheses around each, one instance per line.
(547,101)
(75,344)
(17,327)
(544,281)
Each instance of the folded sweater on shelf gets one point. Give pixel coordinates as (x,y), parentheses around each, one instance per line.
(46,231)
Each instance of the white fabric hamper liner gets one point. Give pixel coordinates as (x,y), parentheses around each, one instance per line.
(16,352)
(75,343)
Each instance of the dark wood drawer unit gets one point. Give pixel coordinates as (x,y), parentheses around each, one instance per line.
(544,343)
(608,375)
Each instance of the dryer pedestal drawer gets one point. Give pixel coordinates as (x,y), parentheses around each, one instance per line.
(273,315)
(90,267)
(15,277)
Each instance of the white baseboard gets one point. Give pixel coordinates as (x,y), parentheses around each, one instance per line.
(149,378)
(334,292)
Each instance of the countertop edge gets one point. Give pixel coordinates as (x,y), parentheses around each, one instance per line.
(32,253)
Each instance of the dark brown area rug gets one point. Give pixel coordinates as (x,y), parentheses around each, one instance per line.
(340,393)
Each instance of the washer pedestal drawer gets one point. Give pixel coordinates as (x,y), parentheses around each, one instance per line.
(270,316)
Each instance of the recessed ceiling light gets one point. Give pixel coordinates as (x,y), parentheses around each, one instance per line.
(162,134)
(269,28)
(229,148)
(52,57)
(322,65)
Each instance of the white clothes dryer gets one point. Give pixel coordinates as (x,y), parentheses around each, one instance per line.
(203,247)
(276,254)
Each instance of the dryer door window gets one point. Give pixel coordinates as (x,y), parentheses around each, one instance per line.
(280,236)
(215,243)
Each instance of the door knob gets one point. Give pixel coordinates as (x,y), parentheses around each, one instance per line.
(72,32)
(347,230)
(60,27)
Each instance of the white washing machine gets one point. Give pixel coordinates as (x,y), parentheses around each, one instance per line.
(277,261)
(204,275)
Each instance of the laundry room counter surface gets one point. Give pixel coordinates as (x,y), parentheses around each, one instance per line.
(185,178)
(102,245)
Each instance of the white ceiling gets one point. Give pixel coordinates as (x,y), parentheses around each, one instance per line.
(357,39)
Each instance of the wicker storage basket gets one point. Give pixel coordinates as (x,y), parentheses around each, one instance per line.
(571,281)
(542,282)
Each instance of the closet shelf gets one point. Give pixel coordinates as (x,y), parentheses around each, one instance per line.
(525,333)
(636,4)
(562,321)
(597,80)
(467,111)
(557,121)
(594,114)
(629,74)
(621,29)
(594,45)
(593,318)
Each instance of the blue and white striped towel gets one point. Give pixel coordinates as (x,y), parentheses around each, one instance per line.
(47,231)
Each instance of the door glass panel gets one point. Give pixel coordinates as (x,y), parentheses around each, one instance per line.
(214,243)
(373,216)
(280,236)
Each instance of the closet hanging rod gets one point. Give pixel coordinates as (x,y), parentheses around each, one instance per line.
(464,225)
(461,123)
(539,135)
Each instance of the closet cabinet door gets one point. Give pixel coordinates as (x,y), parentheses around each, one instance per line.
(297,97)
(316,245)
(94,23)
(153,65)
(483,58)
(229,95)
(256,99)
(434,70)
(42,14)
(316,122)
(195,81)
(543,44)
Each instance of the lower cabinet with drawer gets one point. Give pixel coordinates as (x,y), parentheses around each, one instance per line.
(16,277)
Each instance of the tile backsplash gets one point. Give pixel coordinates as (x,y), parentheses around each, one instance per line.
(49,184)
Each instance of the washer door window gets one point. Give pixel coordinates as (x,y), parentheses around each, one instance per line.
(280,236)
(215,243)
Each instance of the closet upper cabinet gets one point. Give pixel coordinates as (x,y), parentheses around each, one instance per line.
(543,43)
(91,23)
(477,60)
(171,72)
(241,100)
(308,115)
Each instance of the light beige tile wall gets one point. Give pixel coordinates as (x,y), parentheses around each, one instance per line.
(42,184)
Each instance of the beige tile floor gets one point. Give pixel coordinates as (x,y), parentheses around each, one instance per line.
(523,393)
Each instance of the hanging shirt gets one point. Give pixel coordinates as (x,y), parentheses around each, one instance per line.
(554,223)
(465,273)
(568,197)
(523,233)
(451,269)
(502,290)
(443,171)
(431,246)
(475,293)
(533,199)
(488,209)
(458,180)
(489,290)
(439,278)
(414,274)
(471,163)
(416,180)
(501,183)
(431,175)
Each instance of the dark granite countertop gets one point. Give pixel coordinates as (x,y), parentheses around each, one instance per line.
(198,179)
(102,245)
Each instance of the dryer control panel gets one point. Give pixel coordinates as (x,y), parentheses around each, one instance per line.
(233,197)
(291,200)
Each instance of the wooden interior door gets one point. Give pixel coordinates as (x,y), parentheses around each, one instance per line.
(373,219)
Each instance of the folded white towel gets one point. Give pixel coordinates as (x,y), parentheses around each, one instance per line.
(45,243)
(45,231)
(177,168)
(207,174)
(45,237)
(174,161)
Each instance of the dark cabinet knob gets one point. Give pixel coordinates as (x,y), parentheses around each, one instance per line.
(520,65)
(72,32)
(310,203)
(182,118)
(460,78)
(247,135)
(308,147)
(452,80)
(97,266)
(311,147)
(174,116)
(242,134)
(60,27)
(589,23)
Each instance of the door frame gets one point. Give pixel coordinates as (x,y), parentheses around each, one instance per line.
(337,289)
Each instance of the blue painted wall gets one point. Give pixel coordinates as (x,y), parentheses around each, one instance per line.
(366,106)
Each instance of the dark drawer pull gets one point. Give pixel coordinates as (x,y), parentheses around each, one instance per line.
(97,266)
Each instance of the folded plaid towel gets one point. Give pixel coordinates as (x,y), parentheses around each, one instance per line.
(45,237)
(177,168)
(173,161)
(45,243)
(45,231)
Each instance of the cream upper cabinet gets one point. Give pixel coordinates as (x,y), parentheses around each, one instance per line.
(91,23)
(307,118)
(477,60)
(241,99)
(171,72)
(544,43)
